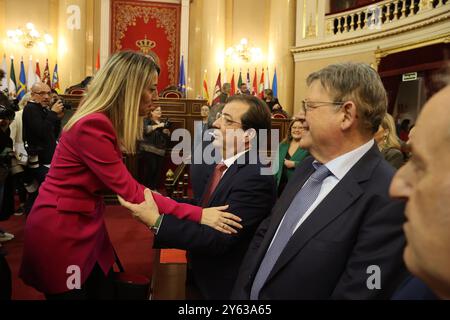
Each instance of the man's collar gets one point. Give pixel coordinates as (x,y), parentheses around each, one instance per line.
(342,164)
(228,162)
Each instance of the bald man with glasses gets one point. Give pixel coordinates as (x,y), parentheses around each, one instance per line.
(41,128)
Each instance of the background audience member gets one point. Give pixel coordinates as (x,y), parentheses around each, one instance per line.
(388,142)
(404,129)
(200,168)
(243,89)
(41,127)
(20,161)
(224,94)
(424,182)
(153,147)
(290,154)
(6,155)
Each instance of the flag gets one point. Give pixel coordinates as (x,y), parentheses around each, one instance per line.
(97,62)
(31,77)
(38,72)
(217,87)
(261,85)
(22,88)
(255,84)
(239,81)
(248,80)
(46,75)
(4,83)
(233,86)
(205,88)
(275,84)
(55,78)
(267,80)
(12,80)
(182,79)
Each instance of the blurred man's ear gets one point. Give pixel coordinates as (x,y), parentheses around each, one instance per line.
(250,134)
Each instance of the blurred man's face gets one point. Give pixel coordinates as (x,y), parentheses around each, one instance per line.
(41,94)
(228,135)
(322,124)
(425,184)
(204,111)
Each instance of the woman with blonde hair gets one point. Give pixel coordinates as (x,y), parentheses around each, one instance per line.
(65,231)
(389,143)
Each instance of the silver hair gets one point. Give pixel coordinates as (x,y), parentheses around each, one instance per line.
(359,83)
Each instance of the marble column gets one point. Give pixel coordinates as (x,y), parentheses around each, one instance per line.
(281,40)
(206,44)
(72,41)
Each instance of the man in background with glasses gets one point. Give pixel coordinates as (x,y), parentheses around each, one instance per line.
(334,233)
(41,128)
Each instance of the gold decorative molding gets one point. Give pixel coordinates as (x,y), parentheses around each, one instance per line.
(145,45)
(371,37)
(381,53)
(311,29)
(165,18)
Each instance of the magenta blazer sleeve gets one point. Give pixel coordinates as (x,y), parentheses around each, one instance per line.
(96,140)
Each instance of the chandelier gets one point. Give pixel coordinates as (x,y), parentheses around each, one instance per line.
(243,52)
(29,36)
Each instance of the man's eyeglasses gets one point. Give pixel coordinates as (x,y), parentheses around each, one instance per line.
(43,93)
(226,119)
(309,105)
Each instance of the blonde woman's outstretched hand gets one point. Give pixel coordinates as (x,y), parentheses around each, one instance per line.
(217,218)
(147,212)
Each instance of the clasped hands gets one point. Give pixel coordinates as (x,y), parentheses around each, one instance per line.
(147,212)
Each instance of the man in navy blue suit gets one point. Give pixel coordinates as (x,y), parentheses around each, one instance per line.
(334,233)
(239,181)
(424,182)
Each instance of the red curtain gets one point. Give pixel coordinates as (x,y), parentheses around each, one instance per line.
(155,26)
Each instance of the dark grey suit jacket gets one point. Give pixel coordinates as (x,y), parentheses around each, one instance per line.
(356,226)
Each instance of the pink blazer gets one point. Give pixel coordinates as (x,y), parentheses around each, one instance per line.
(66,225)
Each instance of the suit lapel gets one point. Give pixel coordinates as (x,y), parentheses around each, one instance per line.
(344,194)
(302,173)
(224,181)
(339,199)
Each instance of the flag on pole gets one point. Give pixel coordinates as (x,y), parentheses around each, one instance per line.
(233,86)
(22,88)
(267,80)
(217,88)
(4,83)
(97,62)
(275,84)
(31,77)
(182,79)
(255,84)
(261,85)
(55,78)
(239,81)
(46,75)
(248,80)
(38,72)
(205,88)
(12,79)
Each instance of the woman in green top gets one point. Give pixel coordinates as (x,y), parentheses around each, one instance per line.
(290,154)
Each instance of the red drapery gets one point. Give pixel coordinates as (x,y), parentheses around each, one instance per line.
(143,25)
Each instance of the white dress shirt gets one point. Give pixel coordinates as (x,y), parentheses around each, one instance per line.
(339,167)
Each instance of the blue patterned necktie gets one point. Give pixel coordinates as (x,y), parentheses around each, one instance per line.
(301,203)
